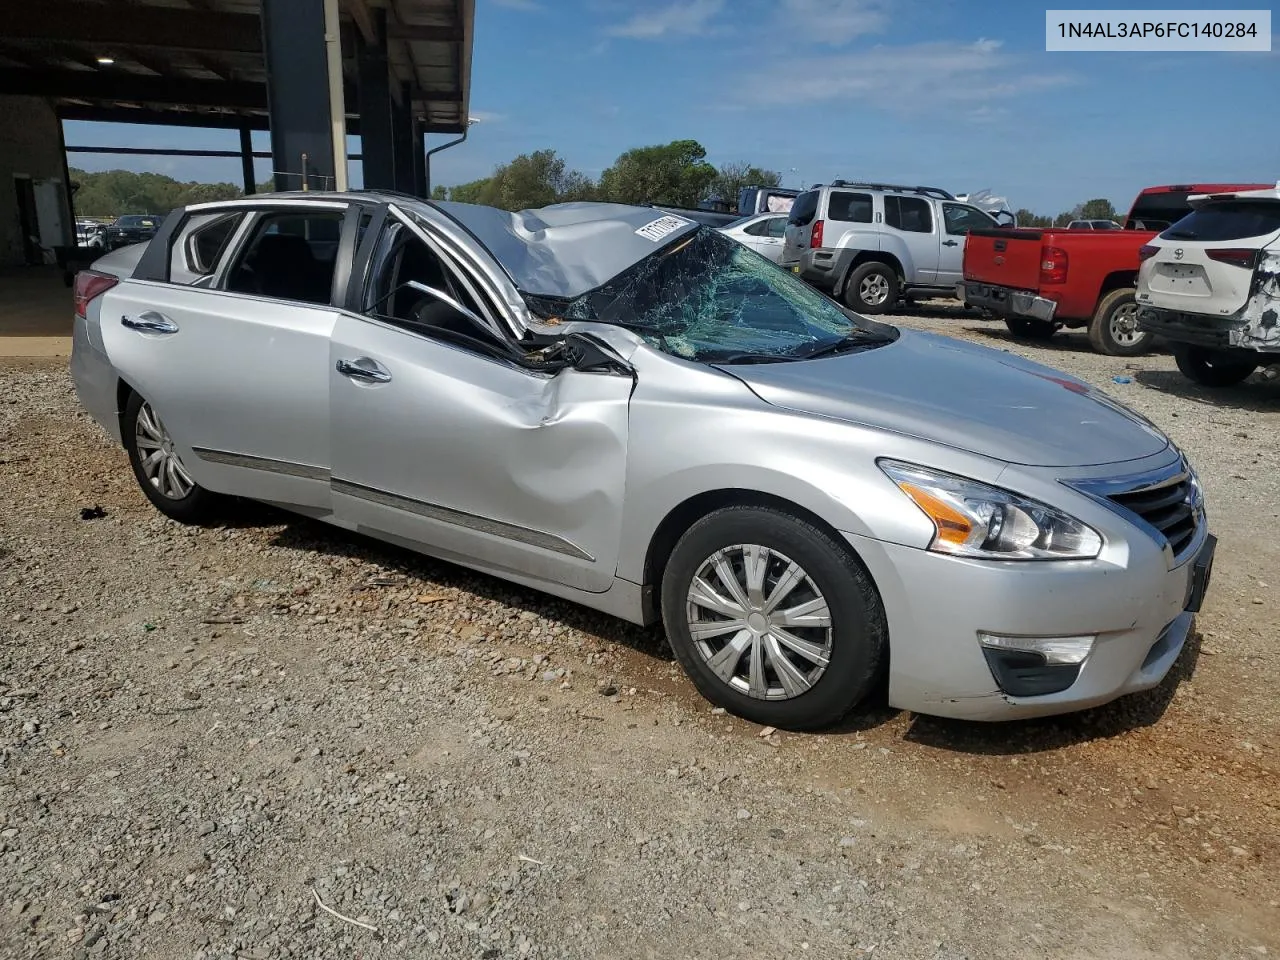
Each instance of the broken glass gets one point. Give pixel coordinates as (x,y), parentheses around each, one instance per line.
(709,298)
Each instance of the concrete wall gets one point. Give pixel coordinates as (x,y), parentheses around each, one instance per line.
(29,144)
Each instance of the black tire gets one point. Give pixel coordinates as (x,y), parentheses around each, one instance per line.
(1028,328)
(1113,329)
(196,507)
(874,275)
(858,634)
(1213,368)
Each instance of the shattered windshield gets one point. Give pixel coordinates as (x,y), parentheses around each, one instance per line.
(710,298)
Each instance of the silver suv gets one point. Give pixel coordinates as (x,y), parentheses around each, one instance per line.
(872,244)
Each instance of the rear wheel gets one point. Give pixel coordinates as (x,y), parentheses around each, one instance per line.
(1028,328)
(871,288)
(158,467)
(772,618)
(1114,328)
(1213,368)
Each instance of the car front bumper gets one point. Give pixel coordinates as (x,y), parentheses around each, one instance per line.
(938,605)
(1006,301)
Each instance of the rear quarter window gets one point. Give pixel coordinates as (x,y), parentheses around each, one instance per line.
(849,207)
(200,245)
(1227,220)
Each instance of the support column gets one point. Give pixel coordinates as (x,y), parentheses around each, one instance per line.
(420,161)
(296,56)
(246,160)
(402,140)
(375,107)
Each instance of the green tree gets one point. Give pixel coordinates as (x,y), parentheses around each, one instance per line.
(732,177)
(1097,209)
(676,173)
(111,193)
(1028,219)
(471,192)
(439,192)
(534,180)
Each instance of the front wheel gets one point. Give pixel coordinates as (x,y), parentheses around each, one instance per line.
(871,288)
(158,467)
(1211,368)
(1028,328)
(1114,328)
(772,619)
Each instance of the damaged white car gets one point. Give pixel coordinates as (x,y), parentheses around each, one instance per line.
(1210,284)
(633,411)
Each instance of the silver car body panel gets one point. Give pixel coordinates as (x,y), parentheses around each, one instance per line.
(569,482)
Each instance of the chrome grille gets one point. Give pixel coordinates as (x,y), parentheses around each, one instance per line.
(1170,505)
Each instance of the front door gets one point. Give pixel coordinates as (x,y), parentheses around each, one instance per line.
(957,220)
(445,442)
(238,371)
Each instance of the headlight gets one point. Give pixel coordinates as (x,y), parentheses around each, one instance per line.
(972,519)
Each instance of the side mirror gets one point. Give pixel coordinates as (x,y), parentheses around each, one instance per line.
(445,298)
(586,353)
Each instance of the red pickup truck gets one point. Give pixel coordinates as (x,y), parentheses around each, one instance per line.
(1038,281)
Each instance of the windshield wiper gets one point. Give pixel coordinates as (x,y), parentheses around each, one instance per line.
(1181,235)
(745,357)
(849,341)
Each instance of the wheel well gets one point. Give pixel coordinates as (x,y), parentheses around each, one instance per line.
(684,516)
(867,256)
(123,393)
(1114,281)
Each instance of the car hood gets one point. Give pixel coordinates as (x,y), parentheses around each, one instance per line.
(984,401)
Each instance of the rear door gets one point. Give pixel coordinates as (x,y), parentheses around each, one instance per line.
(231,345)
(957,220)
(910,221)
(1205,263)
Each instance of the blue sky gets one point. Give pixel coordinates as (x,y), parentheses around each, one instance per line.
(955,93)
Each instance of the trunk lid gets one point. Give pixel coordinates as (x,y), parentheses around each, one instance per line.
(973,398)
(1004,258)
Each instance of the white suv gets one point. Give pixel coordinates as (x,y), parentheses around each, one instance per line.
(1210,284)
(872,244)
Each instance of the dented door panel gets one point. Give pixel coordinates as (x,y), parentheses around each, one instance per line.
(468,456)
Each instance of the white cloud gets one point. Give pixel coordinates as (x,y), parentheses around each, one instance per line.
(925,77)
(834,22)
(686,19)
(529,5)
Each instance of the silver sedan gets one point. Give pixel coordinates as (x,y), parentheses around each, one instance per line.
(628,409)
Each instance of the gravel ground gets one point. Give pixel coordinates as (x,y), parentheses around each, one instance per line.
(205,734)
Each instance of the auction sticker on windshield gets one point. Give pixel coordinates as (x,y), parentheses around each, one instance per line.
(662,227)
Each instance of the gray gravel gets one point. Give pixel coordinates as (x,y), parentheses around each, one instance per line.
(207,732)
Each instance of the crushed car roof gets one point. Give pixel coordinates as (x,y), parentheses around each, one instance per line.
(568,249)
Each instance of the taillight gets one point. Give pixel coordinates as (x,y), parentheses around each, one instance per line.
(1236,256)
(815,238)
(1053,265)
(90,284)
(1147,251)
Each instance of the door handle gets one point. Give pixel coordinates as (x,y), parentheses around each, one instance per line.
(150,322)
(364,370)
(950,243)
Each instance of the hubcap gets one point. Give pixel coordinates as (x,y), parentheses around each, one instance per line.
(760,622)
(160,463)
(1124,325)
(874,289)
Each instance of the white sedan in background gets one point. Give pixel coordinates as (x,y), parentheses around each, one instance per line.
(762,232)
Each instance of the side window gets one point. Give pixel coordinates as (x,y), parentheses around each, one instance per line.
(199,246)
(401,258)
(290,256)
(849,207)
(778,227)
(758,229)
(961,219)
(804,209)
(911,214)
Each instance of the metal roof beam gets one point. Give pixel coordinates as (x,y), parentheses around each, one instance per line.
(104,25)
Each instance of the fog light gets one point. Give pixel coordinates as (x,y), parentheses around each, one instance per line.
(1035,666)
